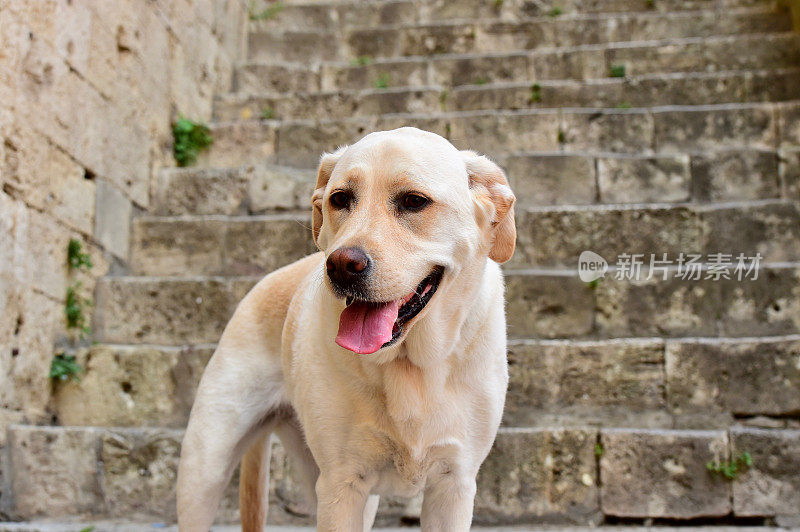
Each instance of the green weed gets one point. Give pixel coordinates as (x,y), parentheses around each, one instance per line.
(190,138)
(536,93)
(63,367)
(75,309)
(362,60)
(383,80)
(555,11)
(730,469)
(267,13)
(598,450)
(617,71)
(267,113)
(76,258)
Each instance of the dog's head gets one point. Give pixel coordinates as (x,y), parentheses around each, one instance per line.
(397,214)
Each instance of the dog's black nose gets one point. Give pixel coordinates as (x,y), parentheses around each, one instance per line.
(347,266)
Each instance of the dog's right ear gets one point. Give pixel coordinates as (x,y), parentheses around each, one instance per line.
(326,164)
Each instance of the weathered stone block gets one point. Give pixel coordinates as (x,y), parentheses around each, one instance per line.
(507,35)
(558,236)
(131,386)
(614,381)
(768,305)
(302,143)
(539,474)
(620,131)
(740,52)
(330,105)
(113,220)
(168,246)
(45,253)
(200,191)
(260,245)
(773,230)
(548,306)
(295,46)
(732,376)
(790,172)
(38,322)
(551,179)
(789,118)
(746,126)
(639,180)
(46,178)
(139,471)
(255,78)
(53,472)
(656,307)
(277,188)
(771,486)
(314,16)
(506,132)
(735,175)
(476,69)
(166,312)
(654,473)
(408,72)
(567,64)
(239,143)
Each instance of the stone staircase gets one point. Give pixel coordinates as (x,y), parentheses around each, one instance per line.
(626,126)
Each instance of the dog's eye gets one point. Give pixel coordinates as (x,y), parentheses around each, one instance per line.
(414,202)
(341,199)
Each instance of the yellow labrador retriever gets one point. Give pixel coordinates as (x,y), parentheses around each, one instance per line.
(380,362)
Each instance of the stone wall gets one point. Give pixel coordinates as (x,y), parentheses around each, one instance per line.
(88,91)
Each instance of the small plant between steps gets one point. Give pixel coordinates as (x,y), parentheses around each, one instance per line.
(190,138)
(382,81)
(267,13)
(63,366)
(730,469)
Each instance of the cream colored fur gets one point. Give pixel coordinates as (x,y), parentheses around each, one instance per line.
(420,415)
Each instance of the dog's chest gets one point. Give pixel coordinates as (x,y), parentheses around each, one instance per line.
(417,425)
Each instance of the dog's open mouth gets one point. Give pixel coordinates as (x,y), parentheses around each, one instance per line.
(367,326)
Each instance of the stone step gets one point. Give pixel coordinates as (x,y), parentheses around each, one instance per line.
(660,130)
(641,91)
(562,475)
(305,15)
(364,43)
(237,190)
(215,245)
(538,178)
(540,304)
(546,236)
(72,524)
(631,382)
(737,52)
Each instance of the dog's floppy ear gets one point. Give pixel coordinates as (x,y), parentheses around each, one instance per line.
(326,164)
(490,187)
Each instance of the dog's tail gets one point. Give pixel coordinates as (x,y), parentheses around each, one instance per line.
(254,484)
(254,474)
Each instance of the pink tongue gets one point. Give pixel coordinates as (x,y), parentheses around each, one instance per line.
(364,327)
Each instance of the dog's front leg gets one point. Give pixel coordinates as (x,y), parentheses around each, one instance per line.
(447,503)
(341,502)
